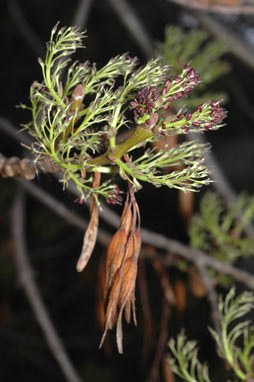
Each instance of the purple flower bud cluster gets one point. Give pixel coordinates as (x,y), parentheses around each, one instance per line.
(210,115)
(144,101)
(114,196)
(181,85)
(207,116)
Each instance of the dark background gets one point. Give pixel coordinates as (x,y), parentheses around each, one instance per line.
(54,245)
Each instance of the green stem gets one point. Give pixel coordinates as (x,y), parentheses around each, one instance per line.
(139,135)
(47,78)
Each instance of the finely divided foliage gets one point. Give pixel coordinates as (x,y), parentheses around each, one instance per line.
(78,117)
(235,343)
(220,232)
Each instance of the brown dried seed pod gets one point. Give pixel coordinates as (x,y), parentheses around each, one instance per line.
(119,332)
(127,288)
(129,274)
(92,229)
(133,308)
(129,248)
(115,256)
(130,307)
(89,239)
(126,218)
(127,311)
(111,310)
(113,300)
(137,244)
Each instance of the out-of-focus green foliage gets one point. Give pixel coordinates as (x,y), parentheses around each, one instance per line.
(202,53)
(219,231)
(235,343)
(185,363)
(239,358)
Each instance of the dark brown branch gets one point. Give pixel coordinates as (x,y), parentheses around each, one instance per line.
(25,168)
(26,277)
(217,8)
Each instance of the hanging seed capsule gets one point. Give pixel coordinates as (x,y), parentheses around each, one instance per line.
(115,256)
(89,239)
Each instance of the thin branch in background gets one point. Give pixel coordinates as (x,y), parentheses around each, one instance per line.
(194,256)
(7,127)
(26,277)
(81,14)
(234,43)
(212,295)
(24,28)
(60,209)
(160,241)
(136,28)
(218,8)
(173,246)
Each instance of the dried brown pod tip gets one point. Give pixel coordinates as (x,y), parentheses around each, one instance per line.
(121,272)
(91,231)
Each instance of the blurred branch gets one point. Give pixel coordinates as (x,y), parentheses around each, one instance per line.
(82,13)
(60,209)
(212,295)
(134,25)
(235,44)
(173,246)
(24,28)
(25,168)
(194,256)
(8,128)
(26,277)
(218,8)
